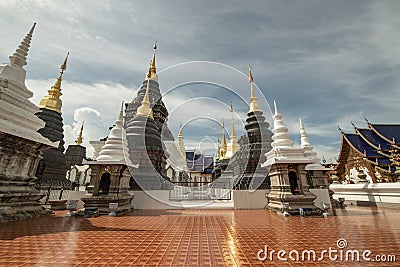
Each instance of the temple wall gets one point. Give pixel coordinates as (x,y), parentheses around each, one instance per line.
(159,200)
(246,200)
(368,194)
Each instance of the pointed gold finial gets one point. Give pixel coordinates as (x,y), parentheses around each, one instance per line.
(52,101)
(223,141)
(250,75)
(152,72)
(64,65)
(78,140)
(145,110)
(253,99)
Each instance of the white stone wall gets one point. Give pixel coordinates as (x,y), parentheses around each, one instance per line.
(380,194)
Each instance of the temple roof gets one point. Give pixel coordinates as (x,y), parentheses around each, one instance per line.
(361,146)
(373,138)
(199,162)
(375,144)
(389,132)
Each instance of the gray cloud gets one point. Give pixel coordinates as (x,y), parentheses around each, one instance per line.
(328,61)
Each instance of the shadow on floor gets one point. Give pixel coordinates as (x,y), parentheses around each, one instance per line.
(50,224)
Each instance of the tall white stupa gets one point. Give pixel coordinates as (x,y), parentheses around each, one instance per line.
(21,146)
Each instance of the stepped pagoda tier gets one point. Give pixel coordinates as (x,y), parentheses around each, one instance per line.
(75,154)
(111,172)
(146,147)
(286,164)
(21,146)
(372,151)
(52,169)
(253,147)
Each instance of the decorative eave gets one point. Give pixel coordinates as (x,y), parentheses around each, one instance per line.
(377,148)
(362,154)
(366,139)
(392,142)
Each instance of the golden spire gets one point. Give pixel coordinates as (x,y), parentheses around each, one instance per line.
(233,145)
(218,149)
(145,110)
(253,99)
(78,140)
(152,73)
(223,142)
(52,101)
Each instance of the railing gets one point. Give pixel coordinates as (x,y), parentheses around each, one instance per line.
(54,191)
(200,191)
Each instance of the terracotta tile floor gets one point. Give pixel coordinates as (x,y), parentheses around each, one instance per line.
(196,238)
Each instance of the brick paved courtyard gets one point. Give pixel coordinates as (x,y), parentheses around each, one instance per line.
(196,238)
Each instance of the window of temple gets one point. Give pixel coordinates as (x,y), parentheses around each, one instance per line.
(293,180)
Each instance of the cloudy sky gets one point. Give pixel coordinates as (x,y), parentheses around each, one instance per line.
(330,62)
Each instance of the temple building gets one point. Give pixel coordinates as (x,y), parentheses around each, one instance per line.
(370,154)
(144,133)
(156,103)
(287,171)
(21,145)
(52,168)
(247,161)
(145,119)
(110,173)
(176,167)
(76,153)
(77,173)
(200,167)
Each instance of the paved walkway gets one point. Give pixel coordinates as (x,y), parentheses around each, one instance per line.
(199,238)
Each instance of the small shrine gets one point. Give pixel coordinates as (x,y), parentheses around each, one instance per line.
(287,171)
(110,173)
